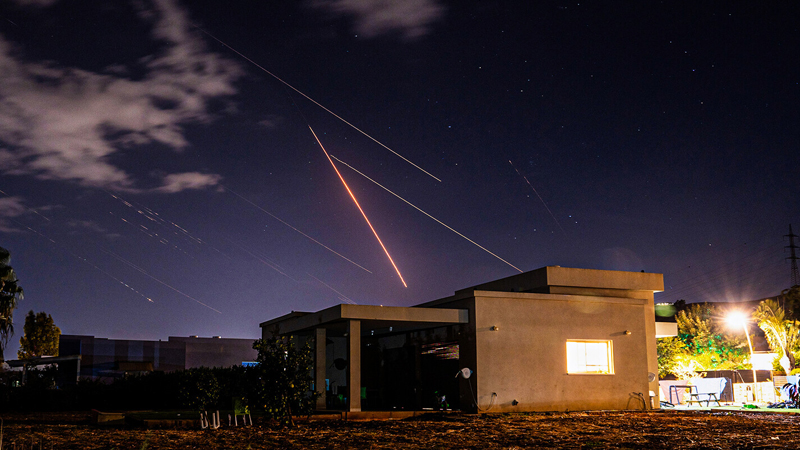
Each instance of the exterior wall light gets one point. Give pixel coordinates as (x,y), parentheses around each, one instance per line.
(627,332)
(495,328)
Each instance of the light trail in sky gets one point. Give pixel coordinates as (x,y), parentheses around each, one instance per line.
(423,212)
(86,261)
(315,102)
(143,272)
(266,261)
(295,229)
(540,197)
(341,296)
(155,217)
(359,208)
(152,234)
(29,209)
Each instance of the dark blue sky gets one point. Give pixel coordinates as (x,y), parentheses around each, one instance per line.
(655,136)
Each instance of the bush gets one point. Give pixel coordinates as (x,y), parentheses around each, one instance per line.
(194,388)
(284,379)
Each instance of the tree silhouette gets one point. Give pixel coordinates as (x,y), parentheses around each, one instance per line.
(10,294)
(40,336)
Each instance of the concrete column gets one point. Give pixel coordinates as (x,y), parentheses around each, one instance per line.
(354,365)
(320,366)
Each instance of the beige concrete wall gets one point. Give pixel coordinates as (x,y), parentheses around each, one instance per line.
(525,359)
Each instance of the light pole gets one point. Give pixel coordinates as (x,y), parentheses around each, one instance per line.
(738,318)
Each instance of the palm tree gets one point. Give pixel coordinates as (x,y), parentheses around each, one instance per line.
(781,333)
(10,293)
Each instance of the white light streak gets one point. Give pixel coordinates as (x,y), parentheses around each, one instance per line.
(297,230)
(317,103)
(423,212)
(359,208)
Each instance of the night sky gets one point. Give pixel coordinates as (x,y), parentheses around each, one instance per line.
(156,183)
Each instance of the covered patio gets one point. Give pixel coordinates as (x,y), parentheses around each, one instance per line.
(398,340)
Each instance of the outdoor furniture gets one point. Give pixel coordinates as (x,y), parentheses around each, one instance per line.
(241,409)
(673,388)
(707,390)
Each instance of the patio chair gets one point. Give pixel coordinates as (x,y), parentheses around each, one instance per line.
(708,390)
(241,409)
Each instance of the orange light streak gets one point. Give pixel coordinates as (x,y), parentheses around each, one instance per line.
(423,212)
(359,208)
(295,229)
(315,102)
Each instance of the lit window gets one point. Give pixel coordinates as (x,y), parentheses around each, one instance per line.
(590,357)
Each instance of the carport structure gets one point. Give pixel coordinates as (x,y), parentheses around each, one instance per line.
(352,323)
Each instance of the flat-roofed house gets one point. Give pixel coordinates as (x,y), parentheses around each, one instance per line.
(552,339)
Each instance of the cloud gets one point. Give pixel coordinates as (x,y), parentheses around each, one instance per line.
(177,182)
(86,225)
(66,123)
(411,18)
(10,207)
(271,121)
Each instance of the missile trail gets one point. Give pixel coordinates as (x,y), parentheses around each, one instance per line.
(540,197)
(295,229)
(341,296)
(315,102)
(29,209)
(152,234)
(143,272)
(423,212)
(272,265)
(86,261)
(359,208)
(154,217)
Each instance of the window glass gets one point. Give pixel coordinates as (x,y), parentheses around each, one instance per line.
(589,356)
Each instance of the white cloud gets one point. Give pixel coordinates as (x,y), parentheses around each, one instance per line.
(411,18)
(271,121)
(177,182)
(55,122)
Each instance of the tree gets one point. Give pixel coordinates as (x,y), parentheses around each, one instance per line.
(40,336)
(708,343)
(670,350)
(781,332)
(284,372)
(199,388)
(790,300)
(10,294)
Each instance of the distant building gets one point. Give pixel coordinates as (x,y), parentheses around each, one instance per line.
(111,358)
(553,339)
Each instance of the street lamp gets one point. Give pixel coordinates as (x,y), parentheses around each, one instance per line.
(739,318)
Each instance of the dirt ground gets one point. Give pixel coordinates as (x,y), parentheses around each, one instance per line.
(595,430)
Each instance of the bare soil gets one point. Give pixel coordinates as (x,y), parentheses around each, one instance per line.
(592,430)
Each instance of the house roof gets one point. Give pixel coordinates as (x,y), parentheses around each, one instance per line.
(567,280)
(371,316)
(547,280)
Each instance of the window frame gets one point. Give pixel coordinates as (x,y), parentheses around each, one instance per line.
(609,357)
